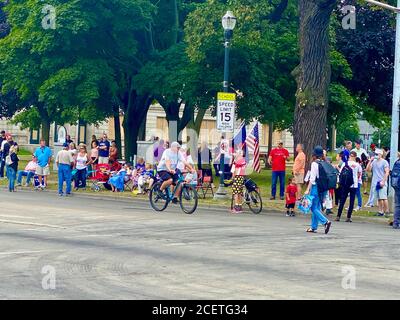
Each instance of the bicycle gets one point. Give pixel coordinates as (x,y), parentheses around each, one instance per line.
(188,198)
(251,196)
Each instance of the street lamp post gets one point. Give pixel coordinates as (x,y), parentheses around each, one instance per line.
(228,23)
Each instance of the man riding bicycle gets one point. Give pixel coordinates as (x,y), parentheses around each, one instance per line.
(167,168)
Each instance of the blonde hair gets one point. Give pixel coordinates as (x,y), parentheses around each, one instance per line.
(13,149)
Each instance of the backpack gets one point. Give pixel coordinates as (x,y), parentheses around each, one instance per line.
(395,176)
(346,178)
(327,177)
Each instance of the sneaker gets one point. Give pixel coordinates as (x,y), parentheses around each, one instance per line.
(272,198)
(235,209)
(349,220)
(358,208)
(337,219)
(379,214)
(61,194)
(327,227)
(368,206)
(287,214)
(292,214)
(239,209)
(396,227)
(282,198)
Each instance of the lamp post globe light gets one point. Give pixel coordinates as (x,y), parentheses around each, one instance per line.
(228,23)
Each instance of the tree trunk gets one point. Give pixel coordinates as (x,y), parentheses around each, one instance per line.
(194,127)
(45,130)
(135,114)
(312,74)
(117,129)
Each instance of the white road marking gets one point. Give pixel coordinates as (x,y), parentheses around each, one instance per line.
(32,224)
(22,252)
(14,216)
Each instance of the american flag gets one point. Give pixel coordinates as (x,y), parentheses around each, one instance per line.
(253,143)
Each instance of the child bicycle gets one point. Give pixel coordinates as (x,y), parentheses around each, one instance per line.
(188,198)
(251,197)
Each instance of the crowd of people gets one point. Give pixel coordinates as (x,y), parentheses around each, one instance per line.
(75,164)
(351,170)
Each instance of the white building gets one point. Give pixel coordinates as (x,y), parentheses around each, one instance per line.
(156,125)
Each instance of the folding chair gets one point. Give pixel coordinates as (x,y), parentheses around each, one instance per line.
(204,184)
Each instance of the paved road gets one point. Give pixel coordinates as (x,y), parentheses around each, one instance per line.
(103,249)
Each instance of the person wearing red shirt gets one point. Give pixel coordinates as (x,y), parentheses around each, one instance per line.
(291,196)
(277,158)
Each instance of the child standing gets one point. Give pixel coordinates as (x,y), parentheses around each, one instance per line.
(291,196)
(239,171)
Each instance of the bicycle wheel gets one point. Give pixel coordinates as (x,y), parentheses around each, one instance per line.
(254,201)
(158,198)
(188,199)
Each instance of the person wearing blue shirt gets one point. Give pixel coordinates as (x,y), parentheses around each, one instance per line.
(104,150)
(43,155)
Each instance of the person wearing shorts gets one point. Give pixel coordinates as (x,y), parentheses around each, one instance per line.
(167,168)
(380,174)
(43,155)
(291,197)
(299,168)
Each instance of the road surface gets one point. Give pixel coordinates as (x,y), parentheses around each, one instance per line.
(88,248)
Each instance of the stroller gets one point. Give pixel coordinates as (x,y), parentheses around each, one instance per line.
(99,177)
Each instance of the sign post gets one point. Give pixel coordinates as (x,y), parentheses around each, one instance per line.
(226,111)
(225,123)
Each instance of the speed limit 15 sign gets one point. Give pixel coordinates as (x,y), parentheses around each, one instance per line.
(226,111)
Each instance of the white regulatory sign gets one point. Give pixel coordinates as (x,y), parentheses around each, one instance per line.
(226,111)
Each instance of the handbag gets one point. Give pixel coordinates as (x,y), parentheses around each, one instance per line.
(305,203)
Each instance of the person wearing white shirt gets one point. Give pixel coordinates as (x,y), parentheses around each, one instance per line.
(312,189)
(352,190)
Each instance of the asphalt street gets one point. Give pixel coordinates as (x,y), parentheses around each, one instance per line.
(99,248)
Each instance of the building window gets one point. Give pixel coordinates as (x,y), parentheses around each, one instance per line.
(34,136)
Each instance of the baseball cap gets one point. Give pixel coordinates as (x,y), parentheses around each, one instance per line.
(378,151)
(318,151)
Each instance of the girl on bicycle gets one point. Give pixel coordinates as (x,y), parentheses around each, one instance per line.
(239,173)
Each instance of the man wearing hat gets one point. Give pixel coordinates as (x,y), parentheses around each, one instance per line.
(312,189)
(65,162)
(379,186)
(277,158)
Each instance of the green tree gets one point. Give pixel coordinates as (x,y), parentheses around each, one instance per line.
(263,54)
(69,72)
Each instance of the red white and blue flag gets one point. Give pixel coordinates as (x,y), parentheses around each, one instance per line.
(253,144)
